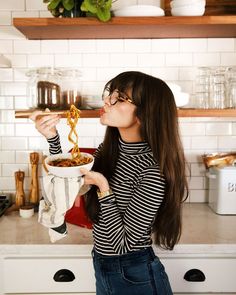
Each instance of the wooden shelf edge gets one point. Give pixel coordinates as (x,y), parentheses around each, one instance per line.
(181,113)
(127,27)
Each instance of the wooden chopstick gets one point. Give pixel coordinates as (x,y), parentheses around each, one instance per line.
(19,114)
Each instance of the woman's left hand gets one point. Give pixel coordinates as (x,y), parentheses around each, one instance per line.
(95,178)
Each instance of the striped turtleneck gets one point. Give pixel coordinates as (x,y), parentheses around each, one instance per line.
(126,216)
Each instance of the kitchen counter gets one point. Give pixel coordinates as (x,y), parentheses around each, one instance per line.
(204,232)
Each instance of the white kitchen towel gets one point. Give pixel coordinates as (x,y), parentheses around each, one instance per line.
(58,197)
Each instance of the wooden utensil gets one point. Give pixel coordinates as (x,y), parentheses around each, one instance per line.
(34,188)
(27,113)
(20,195)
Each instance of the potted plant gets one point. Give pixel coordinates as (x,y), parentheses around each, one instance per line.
(76,8)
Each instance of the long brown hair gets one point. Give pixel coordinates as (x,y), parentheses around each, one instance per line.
(157,112)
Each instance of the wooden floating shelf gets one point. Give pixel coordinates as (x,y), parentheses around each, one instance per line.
(181,113)
(223,26)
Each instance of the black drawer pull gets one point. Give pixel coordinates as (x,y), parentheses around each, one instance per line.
(194,275)
(64,275)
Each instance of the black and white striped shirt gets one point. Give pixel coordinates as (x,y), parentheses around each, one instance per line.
(126,216)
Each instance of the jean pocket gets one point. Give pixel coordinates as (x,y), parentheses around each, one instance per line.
(160,278)
(136,274)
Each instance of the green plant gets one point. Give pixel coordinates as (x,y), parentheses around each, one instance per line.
(99,8)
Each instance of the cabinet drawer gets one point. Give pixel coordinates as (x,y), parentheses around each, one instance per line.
(219,274)
(37,275)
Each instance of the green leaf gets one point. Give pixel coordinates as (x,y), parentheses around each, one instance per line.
(53,4)
(104,14)
(68,4)
(89,6)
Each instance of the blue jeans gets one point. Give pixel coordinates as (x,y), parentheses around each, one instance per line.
(135,273)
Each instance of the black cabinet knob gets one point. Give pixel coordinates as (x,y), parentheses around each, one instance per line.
(194,275)
(64,275)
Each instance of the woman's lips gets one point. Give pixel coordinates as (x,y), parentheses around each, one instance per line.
(102,111)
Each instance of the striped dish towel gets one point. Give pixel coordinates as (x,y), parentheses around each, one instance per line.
(58,197)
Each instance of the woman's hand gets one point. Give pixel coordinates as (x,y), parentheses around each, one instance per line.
(46,125)
(95,178)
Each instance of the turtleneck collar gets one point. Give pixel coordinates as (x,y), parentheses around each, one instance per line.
(134,147)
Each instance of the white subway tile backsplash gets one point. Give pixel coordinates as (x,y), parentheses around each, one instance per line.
(196,183)
(10,169)
(82,46)
(6,102)
(228,59)
(6,46)
(68,60)
(95,60)
(227,142)
(123,60)
(6,74)
(23,129)
(137,45)
(7,157)
(12,5)
(192,129)
(43,60)
(5,18)
(198,196)
(179,59)
(26,46)
(223,45)
(7,116)
(9,33)
(204,142)
(166,74)
(25,13)
(198,169)
(7,183)
(22,157)
(7,130)
(9,88)
(219,128)
(37,144)
(18,61)
(192,45)
(206,59)
(165,45)
(35,5)
(109,46)
(54,46)
(14,143)
(151,59)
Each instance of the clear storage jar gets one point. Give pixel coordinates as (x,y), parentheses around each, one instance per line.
(44,90)
(70,88)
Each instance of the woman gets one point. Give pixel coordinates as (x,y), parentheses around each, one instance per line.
(138,184)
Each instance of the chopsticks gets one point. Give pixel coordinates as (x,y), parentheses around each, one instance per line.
(27,113)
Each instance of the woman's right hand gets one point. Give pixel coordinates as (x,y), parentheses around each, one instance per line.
(46,124)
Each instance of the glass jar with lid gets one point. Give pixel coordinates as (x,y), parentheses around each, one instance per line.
(44,90)
(70,88)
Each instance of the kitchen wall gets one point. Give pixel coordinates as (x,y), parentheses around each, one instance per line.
(174,60)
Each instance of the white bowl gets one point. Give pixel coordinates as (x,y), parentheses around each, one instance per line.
(139,10)
(181,99)
(188,10)
(179,3)
(67,172)
(26,211)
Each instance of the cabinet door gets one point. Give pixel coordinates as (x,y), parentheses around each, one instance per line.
(219,274)
(48,275)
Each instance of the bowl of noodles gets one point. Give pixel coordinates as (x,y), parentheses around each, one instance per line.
(64,165)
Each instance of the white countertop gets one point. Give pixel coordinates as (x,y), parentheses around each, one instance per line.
(203,232)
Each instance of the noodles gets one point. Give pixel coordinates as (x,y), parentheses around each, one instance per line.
(72,118)
(77,158)
(71,162)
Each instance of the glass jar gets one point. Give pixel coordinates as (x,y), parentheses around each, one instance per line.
(70,88)
(44,89)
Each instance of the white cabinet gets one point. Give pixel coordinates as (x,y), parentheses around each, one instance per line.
(48,275)
(218,274)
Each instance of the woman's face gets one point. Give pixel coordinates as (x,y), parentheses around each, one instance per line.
(122,114)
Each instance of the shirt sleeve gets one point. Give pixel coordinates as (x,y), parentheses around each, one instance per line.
(54,145)
(124,232)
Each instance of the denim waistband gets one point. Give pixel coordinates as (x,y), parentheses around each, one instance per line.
(114,262)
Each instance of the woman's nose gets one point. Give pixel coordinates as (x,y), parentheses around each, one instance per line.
(106,100)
